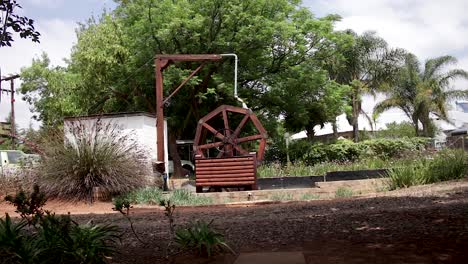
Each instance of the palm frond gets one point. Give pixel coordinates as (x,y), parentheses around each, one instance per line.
(452,75)
(369,119)
(456,94)
(387,104)
(434,65)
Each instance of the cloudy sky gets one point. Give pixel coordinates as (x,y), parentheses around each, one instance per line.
(427,28)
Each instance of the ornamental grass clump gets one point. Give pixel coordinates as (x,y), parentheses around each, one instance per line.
(89,156)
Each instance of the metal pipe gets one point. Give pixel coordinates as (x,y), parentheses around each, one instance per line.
(244,105)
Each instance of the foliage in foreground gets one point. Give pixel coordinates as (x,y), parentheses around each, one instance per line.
(94,155)
(202,239)
(446,165)
(52,239)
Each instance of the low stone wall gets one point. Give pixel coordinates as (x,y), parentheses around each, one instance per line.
(355,175)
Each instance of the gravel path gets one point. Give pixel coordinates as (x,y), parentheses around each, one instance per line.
(427,224)
(430,228)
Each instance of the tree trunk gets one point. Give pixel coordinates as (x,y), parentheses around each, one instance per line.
(310,133)
(416,125)
(335,129)
(355,117)
(426,127)
(177,165)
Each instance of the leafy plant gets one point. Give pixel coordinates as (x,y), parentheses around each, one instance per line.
(147,195)
(94,155)
(169,208)
(29,206)
(61,240)
(281,197)
(405,177)
(343,192)
(202,239)
(55,239)
(310,196)
(447,165)
(185,197)
(397,130)
(15,246)
(123,206)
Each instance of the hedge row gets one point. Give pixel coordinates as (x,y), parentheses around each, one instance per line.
(346,150)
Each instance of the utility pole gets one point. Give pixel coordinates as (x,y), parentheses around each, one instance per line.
(12,101)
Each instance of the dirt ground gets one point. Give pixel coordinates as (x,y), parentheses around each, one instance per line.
(427,224)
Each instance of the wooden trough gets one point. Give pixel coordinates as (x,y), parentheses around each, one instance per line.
(230,172)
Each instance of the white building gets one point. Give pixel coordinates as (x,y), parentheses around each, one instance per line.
(139,126)
(457,118)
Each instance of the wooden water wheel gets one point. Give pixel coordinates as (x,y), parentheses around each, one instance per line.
(223,133)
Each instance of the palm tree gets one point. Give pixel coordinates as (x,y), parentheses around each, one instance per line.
(366,66)
(421,92)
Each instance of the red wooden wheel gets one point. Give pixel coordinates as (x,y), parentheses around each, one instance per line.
(227,142)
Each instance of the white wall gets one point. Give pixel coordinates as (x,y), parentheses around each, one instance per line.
(140,128)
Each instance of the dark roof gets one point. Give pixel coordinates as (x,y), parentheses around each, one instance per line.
(110,115)
(459,132)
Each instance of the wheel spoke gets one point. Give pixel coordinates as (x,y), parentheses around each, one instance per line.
(214,131)
(249,138)
(241,125)
(210,145)
(241,150)
(226,123)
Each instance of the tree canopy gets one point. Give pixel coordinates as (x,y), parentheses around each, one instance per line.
(113,60)
(293,66)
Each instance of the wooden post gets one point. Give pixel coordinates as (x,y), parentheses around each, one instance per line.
(159,111)
(12,118)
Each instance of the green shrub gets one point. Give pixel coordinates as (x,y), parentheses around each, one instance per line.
(405,177)
(147,195)
(301,169)
(344,150)
(55,239)
(397,130)
(93,155)
(393,148)
(185,197)
(29,206)
(202,239)
(15,246)
(310,196)
(281,196)
(61,240)
(276,151)
(343,192)
(447,165)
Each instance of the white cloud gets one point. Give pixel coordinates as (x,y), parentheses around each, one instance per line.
(426,28)
(57,38)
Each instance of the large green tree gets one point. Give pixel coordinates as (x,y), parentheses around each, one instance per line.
(421,91)
(367,66)
(51,91)
(113,58)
